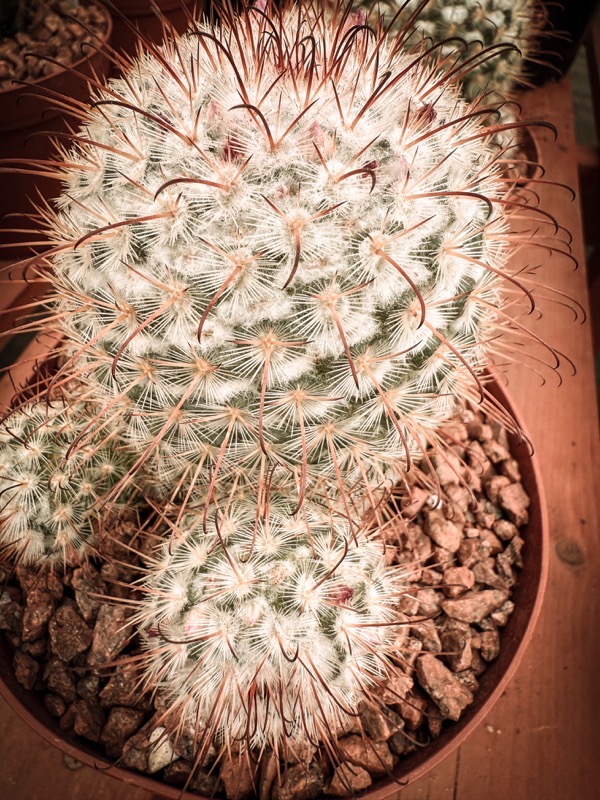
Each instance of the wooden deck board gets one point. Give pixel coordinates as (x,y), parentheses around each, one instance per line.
(540,741)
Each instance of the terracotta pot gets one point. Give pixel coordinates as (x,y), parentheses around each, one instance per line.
(527,597)
(140,14)
(21,115)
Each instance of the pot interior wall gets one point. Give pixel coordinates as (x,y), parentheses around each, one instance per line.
(140,15)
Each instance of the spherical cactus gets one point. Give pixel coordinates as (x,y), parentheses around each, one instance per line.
(49,497)
(482,23)
(275,250)
(267,628)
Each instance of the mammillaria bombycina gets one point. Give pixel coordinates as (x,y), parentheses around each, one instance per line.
(282,244)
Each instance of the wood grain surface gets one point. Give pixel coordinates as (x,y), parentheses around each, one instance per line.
(540,740)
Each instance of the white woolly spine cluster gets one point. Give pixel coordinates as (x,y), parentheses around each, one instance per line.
(269,251)
(48,513)
(280,256)
(485,23)
(268,628)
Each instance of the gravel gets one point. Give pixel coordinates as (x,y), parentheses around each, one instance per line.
(111,634)
(26,669)
(120,726)
(450,695)
(238,776)
(463,554)
(300,782)
(69,634)
(475,606)
(348,780)
(57,29)
(361,751)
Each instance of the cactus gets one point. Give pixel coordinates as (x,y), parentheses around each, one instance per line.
(479,23)
(278,257)
(48,513)
(268,628)
(279,260)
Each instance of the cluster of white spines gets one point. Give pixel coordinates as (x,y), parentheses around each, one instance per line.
(279,258)
(268,627)
(490,23)
(273,251)
(49,497)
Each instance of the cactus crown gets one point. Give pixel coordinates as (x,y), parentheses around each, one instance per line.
(276,255)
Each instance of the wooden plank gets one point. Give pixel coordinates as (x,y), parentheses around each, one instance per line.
(540,741)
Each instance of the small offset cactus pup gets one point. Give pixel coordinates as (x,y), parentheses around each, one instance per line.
(486,46)
(280,260)
(497,37)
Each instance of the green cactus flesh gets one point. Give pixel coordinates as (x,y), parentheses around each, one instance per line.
(479,24)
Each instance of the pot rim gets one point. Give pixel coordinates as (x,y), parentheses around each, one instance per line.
(414,766)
